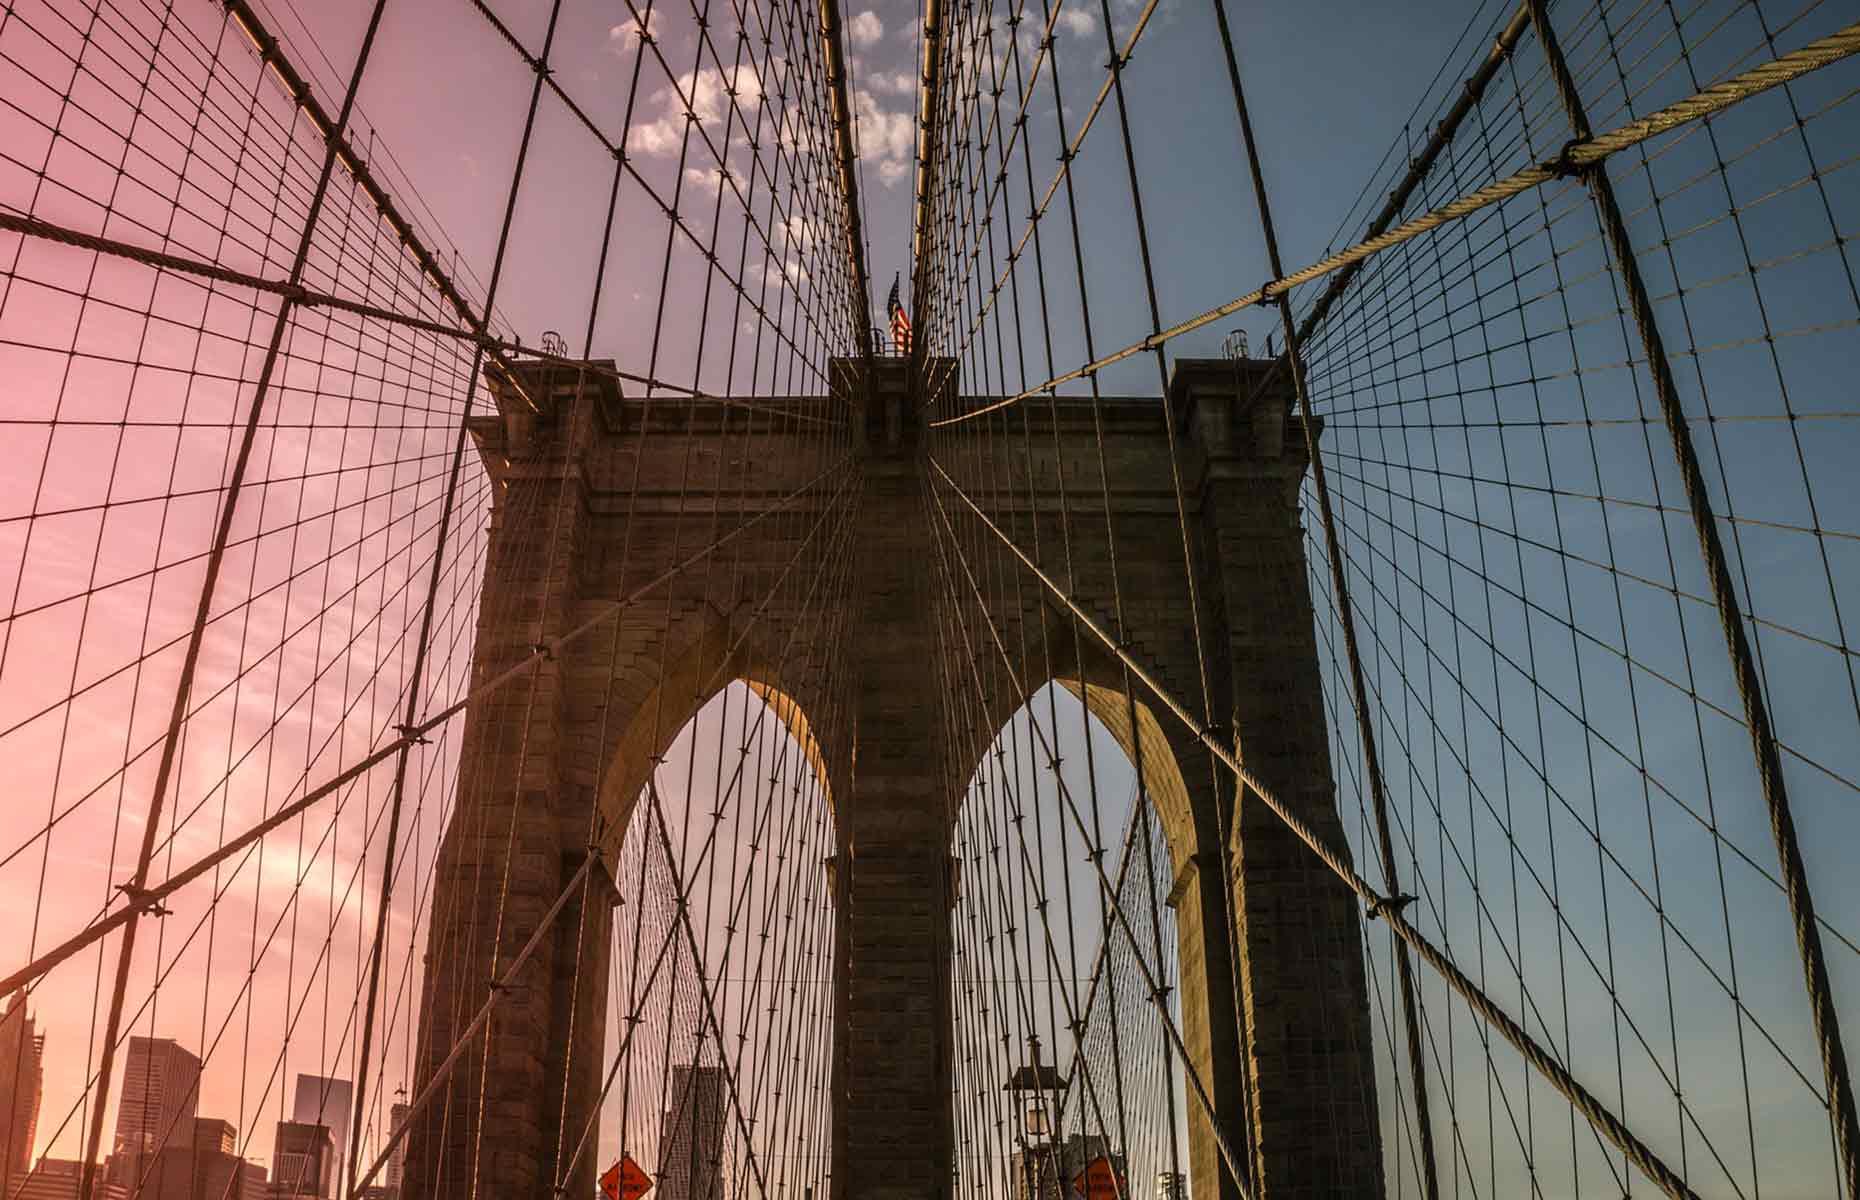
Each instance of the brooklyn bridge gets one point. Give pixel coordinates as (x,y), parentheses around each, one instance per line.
(1077,600)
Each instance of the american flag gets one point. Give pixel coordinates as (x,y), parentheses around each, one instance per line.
(900,324)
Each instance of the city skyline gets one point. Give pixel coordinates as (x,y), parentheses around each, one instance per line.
(161,1148)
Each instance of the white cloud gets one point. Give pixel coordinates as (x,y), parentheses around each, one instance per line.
(708,91)
(1027,39)
(888,139)
(710,180)
(891,83)
(627,34)
(655,137)
(788,270)
(865,29)
(1078,22)
(799,231)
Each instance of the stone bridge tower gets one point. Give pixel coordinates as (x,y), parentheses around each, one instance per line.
(597,493)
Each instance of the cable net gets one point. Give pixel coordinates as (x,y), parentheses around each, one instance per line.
(276,454)
(1397,710)
(1574,562)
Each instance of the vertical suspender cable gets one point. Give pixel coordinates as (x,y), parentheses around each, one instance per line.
(1840,1096)
(1333,550)
(830,35)
(137,886)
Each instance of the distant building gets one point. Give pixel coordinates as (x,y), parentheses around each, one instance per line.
(320,1100)
(397,1162)
(161,1093)
(303,1162)
(1172,1185)
(62,1179)
(211,1133)
(22,1086)
(205,1170)
(252,1182)
(691,1155)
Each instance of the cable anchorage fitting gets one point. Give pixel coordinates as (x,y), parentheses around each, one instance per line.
(143,900)
(1385,906)
(414,735)
(1565,166)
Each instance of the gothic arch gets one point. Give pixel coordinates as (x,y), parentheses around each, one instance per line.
(1182,790)
(720,650)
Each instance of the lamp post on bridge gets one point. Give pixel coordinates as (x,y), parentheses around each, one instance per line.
(1037,1088)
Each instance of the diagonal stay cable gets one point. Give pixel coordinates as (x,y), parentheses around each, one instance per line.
(1546,1063)
(706,1002)
(840,536)
(1112,900)
(1841,1110)
(1576,156)
(408,736)
(136,888)
(1333,553)
(484,1013)
(502,351)
(1032,876)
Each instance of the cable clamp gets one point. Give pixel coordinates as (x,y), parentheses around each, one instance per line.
(1564,165)
(545,649)
(412,734)
(1389,905)
(143,899)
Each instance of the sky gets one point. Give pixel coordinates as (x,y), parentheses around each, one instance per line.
(441,113)
(448,99)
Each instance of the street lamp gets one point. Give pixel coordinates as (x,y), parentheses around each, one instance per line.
(1037,1088)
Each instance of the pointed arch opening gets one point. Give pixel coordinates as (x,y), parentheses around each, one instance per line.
(719,972)
(716,803)
(1084,947)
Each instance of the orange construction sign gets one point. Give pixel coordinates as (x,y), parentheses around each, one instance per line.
(624,1180)
(1099,1181)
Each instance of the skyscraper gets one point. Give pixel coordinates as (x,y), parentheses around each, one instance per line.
(691,1155)
(22,1084)
(397,1162)
(62,1179)
(161,1093)
(214,1136)
(207,1168)
(320,1100)
(302,1161)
